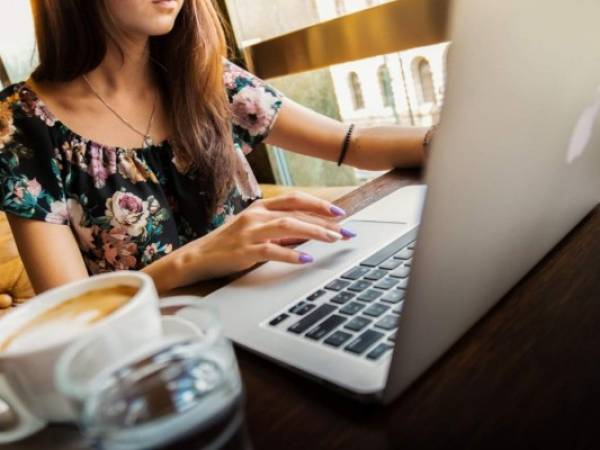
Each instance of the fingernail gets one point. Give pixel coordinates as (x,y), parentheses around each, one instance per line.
(333,235)
(337,211)
(347,233)
(305,258)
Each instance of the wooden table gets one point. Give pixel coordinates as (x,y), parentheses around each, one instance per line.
(526,376)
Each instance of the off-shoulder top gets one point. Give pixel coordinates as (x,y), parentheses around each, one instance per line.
(126,207)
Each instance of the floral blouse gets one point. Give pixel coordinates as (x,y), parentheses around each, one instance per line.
(126,207)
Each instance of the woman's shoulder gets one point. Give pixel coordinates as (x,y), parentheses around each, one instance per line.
(10,93)
(236,79)
(22,115)
(20,102)
(9,101)
(254,105)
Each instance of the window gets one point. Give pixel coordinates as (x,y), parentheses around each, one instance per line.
(355,88)
(17,42)
(385,86)
(424,80)
(354,91)
(267,19)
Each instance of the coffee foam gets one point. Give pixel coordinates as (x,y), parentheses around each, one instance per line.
(67,319)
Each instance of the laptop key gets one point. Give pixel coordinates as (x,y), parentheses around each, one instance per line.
(343,297)
(355,273)
(363,341)
(357,323)
(359,286)
(400,272)
(376,310)
(404,254)
(378,351)
(301,308)
(308,321)
(305,309)
(352,308)
(375,275)
(277,320)
(398,309)
(392,337)
(391,264)
(325,327)
(337,285)
(388,323)
(412,245)
(295,307)
(385,253)
(402,283)
(386,283)
(315,295)
(338,338)
(394,296)
(369,296)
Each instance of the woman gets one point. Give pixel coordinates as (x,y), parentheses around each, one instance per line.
(125,149)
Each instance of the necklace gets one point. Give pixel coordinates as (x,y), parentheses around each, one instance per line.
(146,139)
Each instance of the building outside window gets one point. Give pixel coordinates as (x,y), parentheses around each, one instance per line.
(17,41)
(340,7)
(424,80)
(356,89)
(385,86)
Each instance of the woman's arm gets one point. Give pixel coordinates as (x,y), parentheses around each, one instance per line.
(52,257)
(304,131)
(49,252)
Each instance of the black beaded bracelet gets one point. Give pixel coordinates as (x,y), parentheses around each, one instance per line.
(346,144)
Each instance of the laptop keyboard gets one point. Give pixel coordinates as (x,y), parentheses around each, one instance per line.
(358,311)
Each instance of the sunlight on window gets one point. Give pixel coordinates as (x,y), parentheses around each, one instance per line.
(267,19)
(17,39)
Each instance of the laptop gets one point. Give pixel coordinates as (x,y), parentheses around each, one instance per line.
(514,166)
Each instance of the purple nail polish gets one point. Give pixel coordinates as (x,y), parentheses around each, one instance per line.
(337,211)
(347,233)
(305,258)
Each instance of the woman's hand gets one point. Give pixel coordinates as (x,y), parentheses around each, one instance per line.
(257,234)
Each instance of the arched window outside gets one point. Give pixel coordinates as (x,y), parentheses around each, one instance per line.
(355,88)
(340,7)
(424,81)
(385,85)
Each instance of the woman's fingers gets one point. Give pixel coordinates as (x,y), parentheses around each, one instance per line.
(288,241)
(266,215)
(300,201)
(273,252)
(290,227)
(325,223)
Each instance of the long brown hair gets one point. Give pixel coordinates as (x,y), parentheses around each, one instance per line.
(72,40)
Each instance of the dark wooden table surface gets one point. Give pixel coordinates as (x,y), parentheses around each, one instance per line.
(525,376)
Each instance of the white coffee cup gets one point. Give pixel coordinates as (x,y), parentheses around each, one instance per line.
(27,382)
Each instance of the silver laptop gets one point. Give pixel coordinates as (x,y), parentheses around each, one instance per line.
(514,167)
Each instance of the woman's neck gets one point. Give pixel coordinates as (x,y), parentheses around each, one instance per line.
(126,66)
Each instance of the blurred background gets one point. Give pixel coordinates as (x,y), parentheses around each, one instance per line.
(361,61)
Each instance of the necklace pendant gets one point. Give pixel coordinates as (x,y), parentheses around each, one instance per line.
(148,142)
